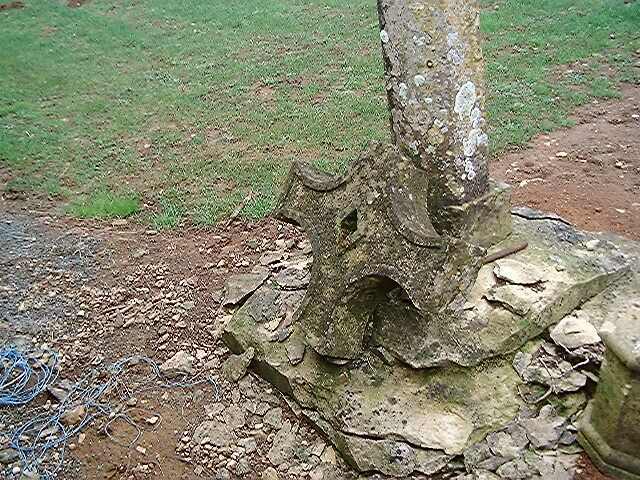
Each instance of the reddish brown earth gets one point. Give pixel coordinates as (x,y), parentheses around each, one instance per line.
(7,6)
(590,173)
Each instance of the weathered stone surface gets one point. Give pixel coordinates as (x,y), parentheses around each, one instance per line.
(370,416)
(500,317)
(236,366)
(239,287)
(574,331)
(435,88)
(372,237)
(378,412)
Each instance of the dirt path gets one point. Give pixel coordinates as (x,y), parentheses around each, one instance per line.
(590,173)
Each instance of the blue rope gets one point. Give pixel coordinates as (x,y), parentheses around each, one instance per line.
(20,380)
(45,430)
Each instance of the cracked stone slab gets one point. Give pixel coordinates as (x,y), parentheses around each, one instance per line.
(518,272)
(238,287)
(375,424)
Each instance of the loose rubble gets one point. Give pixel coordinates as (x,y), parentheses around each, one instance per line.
(235,430)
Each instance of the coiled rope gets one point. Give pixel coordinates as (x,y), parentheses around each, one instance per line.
(102,393)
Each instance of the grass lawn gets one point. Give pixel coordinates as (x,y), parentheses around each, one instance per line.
(177,111)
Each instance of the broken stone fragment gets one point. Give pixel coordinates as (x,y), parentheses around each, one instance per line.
(74,416)
(269,258)
(214,432)
(234,417)
(270,473)
(249,444)
(181,362)
(273,417)
(480,457)
(305,247)
(295,351)
(548,370)
(557,467)
(516,272)
(484,475)
(294,277)
(516,469)
(504,445)
(545,430)
(431,462)
(574,332)
(238,287)
(8,455)
(59,394)
(213,409)
(515,298)
(283,446)
(264,306)
(235,367)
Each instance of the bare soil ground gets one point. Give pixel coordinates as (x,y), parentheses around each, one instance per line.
(590,173)
(9,5)
(98,292)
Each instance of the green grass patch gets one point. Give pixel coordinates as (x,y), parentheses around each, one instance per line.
(171,210)
(197,105)
(547,57)
(106,205)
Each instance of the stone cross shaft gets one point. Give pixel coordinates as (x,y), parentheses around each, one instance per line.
(435,88)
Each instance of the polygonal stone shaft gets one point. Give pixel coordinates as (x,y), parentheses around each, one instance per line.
(610,427)
(435,88)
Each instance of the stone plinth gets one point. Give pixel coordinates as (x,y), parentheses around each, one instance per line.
(384,411)
(610,429)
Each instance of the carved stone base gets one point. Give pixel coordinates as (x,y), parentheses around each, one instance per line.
(618,464)
(382,414)
(372,236)
(610,427)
